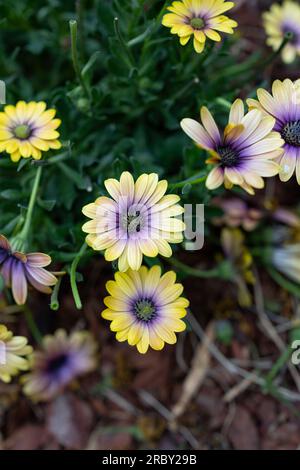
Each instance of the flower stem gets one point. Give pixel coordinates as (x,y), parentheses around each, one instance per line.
(287,38)
(73,276)
(224,103)
(123,43)
(187,181)
(37,335)
(73,31)
(283,282)
(54,303)
(20,239)
(162,11)
(223,271)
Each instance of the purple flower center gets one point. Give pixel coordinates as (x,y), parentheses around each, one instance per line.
(3,255)
(291,133)
(291,29)
(132,222)
(228,155)
(56,364)
(145,309)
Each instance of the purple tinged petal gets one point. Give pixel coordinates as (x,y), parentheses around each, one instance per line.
(19,283)
(42,276)
(38,260)
(37,285)
(6,271)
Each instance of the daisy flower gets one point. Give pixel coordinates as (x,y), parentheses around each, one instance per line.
(14,352)
(280,20)
(286,259)
(284,106)
(237,213)
(138,219)
(200,19)
(28,129)
(243,153)
(145,308)
(20,270)
(61,359)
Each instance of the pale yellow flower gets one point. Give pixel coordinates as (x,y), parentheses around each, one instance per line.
(28,129)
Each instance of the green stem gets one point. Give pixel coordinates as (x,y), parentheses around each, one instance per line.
(73,276)
(187,181)
(54,303)
(79,11)
(32,325)
(287,38)
(20,239)
(194,272)
(73,31)
(281,361)
(224,103)
(162,11)
(185,88)
(123,43)
(283,282)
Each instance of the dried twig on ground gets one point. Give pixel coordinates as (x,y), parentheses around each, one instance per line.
(236,370)
(196,375)
(269,329)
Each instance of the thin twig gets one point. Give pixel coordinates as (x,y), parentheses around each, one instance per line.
(236,370)
(269,329)
(150,400)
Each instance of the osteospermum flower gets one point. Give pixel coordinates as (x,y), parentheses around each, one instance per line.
(237,213)
(14,352)
(20,270)
(284,106)
(28,129)
(280,20)
(145,308)
(244,153)
(286,259)
(61,359)
(138,220)
(200,19)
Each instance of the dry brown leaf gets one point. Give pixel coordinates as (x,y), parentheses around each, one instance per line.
(69,420)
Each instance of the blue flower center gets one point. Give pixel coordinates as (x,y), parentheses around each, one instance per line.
(145,310)
(229,156)
(57,363)
(22,132)
(291,133)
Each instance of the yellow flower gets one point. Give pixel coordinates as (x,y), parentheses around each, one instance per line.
(280,20)
(201,19)
(28,129)
(139,220)
(12,350)
(145,308)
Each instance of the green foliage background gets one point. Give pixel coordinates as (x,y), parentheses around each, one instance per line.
(126,116)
